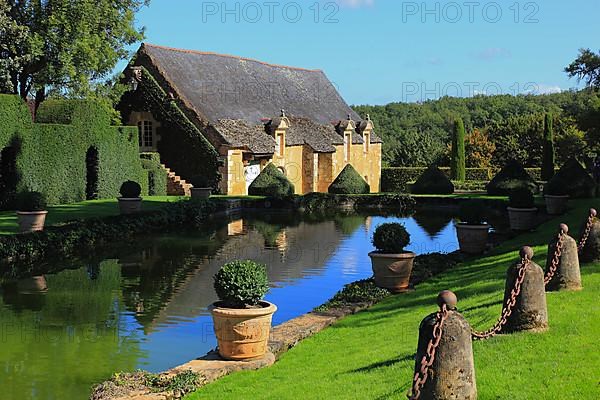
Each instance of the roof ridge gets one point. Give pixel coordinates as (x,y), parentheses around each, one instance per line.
(229,56)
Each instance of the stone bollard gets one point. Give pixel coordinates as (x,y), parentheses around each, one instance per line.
(591,251)
(530,312)
(567,275)
(452,373)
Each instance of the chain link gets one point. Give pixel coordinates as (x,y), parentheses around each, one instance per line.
(586,233)
(508,307)
(556,258)
(427,361)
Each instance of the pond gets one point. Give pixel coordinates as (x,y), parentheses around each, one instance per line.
(144,304)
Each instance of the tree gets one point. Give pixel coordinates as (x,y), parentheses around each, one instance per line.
(63,46)
(479,149)
(586,67)
(548,152)
(457,163)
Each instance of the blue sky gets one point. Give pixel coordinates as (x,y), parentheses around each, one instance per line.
(379,51)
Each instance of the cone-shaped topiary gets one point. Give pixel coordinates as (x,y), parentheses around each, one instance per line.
(457,164)
(349,181)
(548,156)
(433,181)
(511,177)
(272,183)
(572,180)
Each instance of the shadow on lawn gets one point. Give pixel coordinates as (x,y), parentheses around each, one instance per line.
(386,363)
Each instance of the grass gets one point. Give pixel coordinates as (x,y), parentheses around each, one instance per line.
(77,211)
(370,355)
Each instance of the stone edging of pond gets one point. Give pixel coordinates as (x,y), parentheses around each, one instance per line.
(284,337)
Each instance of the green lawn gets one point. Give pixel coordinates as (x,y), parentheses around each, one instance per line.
(77,211)
(370,355)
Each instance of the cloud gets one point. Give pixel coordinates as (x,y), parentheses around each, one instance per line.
(492,53)
(356,3)
(542,88)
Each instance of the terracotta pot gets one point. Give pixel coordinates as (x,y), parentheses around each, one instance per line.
(556,205)
(31,221)
(392,271)
(522,219)
(33,285)
(472,239)
(242,334)
(201,193)
(130,205)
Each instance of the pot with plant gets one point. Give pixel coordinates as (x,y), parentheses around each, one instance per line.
(201,187)
(472,230)
(31,212)
(392,265)
(242,319)
(521,209)
(130,201)
(556,196)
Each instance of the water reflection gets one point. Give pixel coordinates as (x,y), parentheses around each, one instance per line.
(143,304)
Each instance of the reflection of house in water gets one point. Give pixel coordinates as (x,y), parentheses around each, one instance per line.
(235,227)
(178,282)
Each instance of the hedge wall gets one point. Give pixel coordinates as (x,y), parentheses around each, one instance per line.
(157,175)
(53,158)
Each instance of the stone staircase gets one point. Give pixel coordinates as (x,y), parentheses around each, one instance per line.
(175,185)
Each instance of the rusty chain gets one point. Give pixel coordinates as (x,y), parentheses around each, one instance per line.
(508,307)
(427,361)
(586,232)
(556,258)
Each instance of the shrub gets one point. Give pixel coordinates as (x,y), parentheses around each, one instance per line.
(157,175)
(433,181)
(472,212)
(130,190)
(511,177)
(457,162)
(521,198)
(272,183)
(349,181)
(573,180)
(548,155)
(359,292)
(200,181)
(241,284)
(31,201)
(395,179)
(391,238)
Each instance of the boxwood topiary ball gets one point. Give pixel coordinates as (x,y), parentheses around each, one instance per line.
(130,190)
(391,238)
(31,201)
(241,284)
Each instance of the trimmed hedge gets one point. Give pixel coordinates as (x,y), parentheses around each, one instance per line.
(512,176)
(349,181)
(330,203)
(572,179)
(396,179)
(271,182)
(157,175)
(433,181)
(51,158)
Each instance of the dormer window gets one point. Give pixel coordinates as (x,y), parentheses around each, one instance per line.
(367,142)
(280,145)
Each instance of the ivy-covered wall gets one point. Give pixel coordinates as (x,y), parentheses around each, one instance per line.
(182,146)
(53,155)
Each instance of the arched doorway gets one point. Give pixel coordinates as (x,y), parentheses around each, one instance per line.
(91,179)
(9,176)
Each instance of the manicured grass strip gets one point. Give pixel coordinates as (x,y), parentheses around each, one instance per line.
(78,211)
(370,355)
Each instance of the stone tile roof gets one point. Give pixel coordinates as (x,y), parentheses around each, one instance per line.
(238,133)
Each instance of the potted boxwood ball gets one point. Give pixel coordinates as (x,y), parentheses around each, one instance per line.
(242,319)
(201,187)
(130,201)
(392,266)
(521,209)
(556,197)
(472,230)
(31,212)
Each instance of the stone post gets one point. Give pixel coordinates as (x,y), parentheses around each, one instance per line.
(567,275)
(591,250)
(452,374)
(530,312)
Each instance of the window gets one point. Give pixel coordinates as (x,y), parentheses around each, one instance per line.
(145,134)
(367,142)
(280,145)
(347,146)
